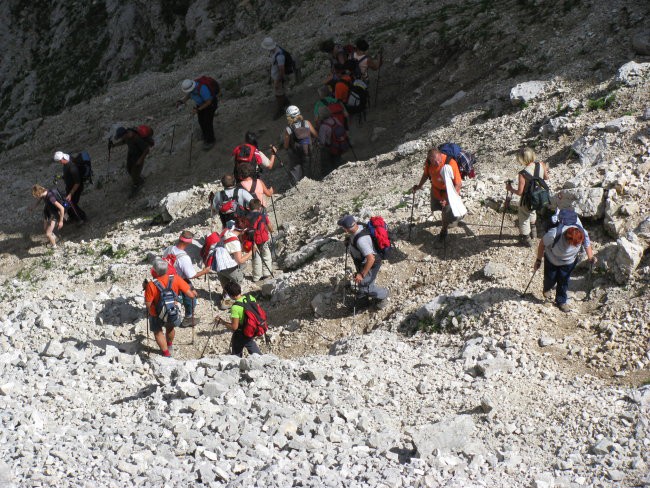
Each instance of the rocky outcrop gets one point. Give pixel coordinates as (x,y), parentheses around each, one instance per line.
(528,91)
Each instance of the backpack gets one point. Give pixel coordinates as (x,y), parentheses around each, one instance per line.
(563,218)
(336,110)
(229,206)
(255,323)
(289,63)
(245,153)
(216,242)
(166,308)
(171,259)
(60,199)
(146,132)
(259,227)
(212,85)
(358,98)
(338,142)
(208,244)
(355,66)
(465,159)
(536,195)
(378,231)
(84,164)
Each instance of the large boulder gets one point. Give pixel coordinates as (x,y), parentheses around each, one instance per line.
(590,152)
(447,435)
(587,202)
(527,91)
(305,253)
(621,259)
(179,204)
(632,73)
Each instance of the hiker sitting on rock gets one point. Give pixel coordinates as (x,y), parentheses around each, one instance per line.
(366,261)
(527,217)
(239,340)
(177,257)
(559,248)
(160,297)
(443,172)
(54,212)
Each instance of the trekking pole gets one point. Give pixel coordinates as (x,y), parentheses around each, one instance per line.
(506,204)
(275,214)
(171,146)
(345,268)
(191,142)
(146,317)
(527,286)
(356,158)
(193,325)
(411,223)
(214,326)
(354,305)
(590,279)
(108,162)
(381,56)
(258,253)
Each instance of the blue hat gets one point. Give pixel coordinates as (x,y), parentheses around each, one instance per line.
(347,221)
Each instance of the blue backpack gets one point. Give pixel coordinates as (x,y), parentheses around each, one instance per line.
(466,160)
(84,163)
(563,218)
(166,308)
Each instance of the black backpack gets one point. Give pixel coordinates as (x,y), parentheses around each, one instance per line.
(563,218)
(84,164)
(289,63)
(166,308)
(536,195)
(357,98)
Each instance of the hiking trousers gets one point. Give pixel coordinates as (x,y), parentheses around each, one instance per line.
(76,213)
(527,218)
(240,341)
(558,275)
(233,274)
(206,121)
(367,287)
(262,261)
(188,303)
(134,169)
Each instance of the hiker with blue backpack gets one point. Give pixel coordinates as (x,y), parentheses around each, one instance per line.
(161,299)
(204,92)
(74,170)
(54,212)
(533,193)
(560,251)
(367,262)
(282,66)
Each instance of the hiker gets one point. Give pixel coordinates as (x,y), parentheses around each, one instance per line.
(278,74)
(177,257)
(228,260)
(363,62)
(54,212)
(230,201)
(138,148)
(249,153)
(336,53)
(204,92)
(366,262)
(442,170)
(237,317)
(527,217)
(74,185)
(160,296)
(254,186)
(560,248)
(335,107)
(298,137)
(260,233)
(334,141)
(340,82)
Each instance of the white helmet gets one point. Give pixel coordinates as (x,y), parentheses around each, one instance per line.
(292,111)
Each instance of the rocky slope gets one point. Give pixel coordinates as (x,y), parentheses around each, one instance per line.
(459,382)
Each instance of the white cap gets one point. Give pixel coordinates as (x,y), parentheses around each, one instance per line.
(268,43)
(188,85)
(60,155)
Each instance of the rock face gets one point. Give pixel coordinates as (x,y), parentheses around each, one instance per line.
(528,91)
(177,205)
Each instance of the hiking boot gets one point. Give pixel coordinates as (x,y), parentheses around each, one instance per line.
(167,353)
(187,321)
(526,241)
(443,235)
(548,294)
(381,304)
(564,307)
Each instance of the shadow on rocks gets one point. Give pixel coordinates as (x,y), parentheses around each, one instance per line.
(120,311)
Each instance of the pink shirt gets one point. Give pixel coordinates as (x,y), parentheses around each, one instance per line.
(260,187)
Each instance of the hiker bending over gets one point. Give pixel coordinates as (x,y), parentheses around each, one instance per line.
(366,261)
(160,297)
(298,137)
(560,248)
(254,186)
(239,341)
(204,92)
(74,185)
(434,169)
(527,217)
(278,74)
(54,212)
(138,148)
(232,201)
(177,257)
(228,260)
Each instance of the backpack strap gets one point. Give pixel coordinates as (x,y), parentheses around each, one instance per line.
(355,239)
(537,170)
(159,285)
(253,186)
(169,283)
(235,195)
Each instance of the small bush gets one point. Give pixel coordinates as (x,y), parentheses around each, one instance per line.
(601,103)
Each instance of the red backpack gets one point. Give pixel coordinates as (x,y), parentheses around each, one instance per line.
(255,323)
(246,154)
(146,132)
(378,231)
(337,110)
(260,228)
(211,83)
(338,142)
(211,242)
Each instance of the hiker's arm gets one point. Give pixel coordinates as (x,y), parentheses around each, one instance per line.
(270,162)
(267,190)
(521,183)
(374,63)
(73,190)
(281,71)
(423,180)
(203,272)
(540,255)
(590,255)
(61,213)
(181,101)
(234,323)
(370,261)
(312,131)
(204,105)
(547,173)
(142,156)
(241,258)
(285,141)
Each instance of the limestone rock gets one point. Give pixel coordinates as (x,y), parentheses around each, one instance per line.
(527,91)
(494,270)
(590,152)
(587,202)
(627,258)
(178,204)
(53,349)
(632,73)
(451,434)
(455,99)
(305,253)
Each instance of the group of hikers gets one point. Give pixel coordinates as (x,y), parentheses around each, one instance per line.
(246,232)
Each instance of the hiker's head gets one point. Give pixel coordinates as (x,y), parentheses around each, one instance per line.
(228,180)
(525,156)
(120,132)
(246,170)
(348,223)
(293,114)
(38,190)
(232,289)
(185,239)
(160,267)
(269,44)
(432,154)
(361,45)
(323,113)
(574,236)
(255,204)
(251,138)
(324,91)
(327,46)
(61,157)
(188,85)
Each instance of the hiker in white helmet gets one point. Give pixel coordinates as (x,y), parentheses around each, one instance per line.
(299,136)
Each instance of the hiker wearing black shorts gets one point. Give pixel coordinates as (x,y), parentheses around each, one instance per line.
(74,185)
(138,148)
(238,341)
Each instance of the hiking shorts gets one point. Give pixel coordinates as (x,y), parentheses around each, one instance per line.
(156,324)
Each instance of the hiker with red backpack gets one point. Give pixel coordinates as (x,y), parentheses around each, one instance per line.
(335,107)
(528,178)
(180,264)
(247,321)
(259,232)
(160,297)
(282,66)
(298,136)
(446,182)
(139,142)
(232,202)
(254,186)
(249,153)
(367,260)
(334,141)
(204,92)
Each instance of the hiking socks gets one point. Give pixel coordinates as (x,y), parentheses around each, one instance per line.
(166,353)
